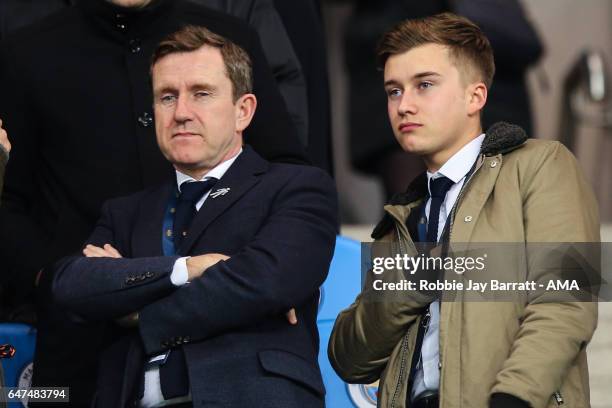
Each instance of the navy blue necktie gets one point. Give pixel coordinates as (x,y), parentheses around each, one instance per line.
(438,188)
(174,380)
(191,193)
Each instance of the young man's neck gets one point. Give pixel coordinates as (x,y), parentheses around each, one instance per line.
(436,161)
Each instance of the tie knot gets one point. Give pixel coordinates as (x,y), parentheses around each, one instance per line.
(194,190)
(440,186)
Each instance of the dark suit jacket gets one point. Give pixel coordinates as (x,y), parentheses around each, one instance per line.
(278,225)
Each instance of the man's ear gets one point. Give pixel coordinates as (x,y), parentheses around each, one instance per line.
(245,109)
(476,97)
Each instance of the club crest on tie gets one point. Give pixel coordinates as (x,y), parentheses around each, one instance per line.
(220,192)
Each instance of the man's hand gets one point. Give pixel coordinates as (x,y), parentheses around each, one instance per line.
(291,316)
(197,265)
(92,251)
(4,138)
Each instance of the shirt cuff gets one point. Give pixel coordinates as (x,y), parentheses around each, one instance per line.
(501,400)
(179,274)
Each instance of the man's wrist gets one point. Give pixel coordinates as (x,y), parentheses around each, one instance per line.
(501,400)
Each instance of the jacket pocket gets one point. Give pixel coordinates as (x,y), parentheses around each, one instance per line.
(295,368)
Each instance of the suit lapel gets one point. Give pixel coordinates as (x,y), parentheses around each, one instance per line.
(147,234)
(238,179)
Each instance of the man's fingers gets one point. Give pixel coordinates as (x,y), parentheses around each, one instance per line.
(110,249)
(291,316)
(92,251)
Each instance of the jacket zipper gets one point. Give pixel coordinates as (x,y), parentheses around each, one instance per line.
(450,233)
(404,347)
(402,368)
(559,398)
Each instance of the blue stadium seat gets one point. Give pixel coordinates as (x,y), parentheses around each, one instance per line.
(340,290)
(18,369)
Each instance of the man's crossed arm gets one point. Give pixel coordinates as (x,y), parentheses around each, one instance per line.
(196,266)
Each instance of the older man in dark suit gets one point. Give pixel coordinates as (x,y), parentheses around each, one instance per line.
(208,265)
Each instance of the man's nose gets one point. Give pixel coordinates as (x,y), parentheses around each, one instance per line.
(407,105)
(182,111)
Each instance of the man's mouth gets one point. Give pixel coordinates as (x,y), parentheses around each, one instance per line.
(409,126)
(184,134)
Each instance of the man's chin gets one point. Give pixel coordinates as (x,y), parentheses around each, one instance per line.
(411,146)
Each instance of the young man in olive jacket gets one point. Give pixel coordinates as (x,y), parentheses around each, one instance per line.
(496,187)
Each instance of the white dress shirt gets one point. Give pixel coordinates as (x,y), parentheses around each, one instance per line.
(153,397)
(427,375)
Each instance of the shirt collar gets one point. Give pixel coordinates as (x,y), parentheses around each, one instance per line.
(460,163)
(216,172)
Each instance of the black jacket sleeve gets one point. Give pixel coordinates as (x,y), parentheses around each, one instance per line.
(110,288)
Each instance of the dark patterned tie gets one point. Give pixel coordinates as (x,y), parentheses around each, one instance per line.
(191,193)
(438,188)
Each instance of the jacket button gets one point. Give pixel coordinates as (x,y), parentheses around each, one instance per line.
(468,218)
(145,119)
(186,339)
(134,46)
(149,274)
(493,163)
(439,365)
(120,22)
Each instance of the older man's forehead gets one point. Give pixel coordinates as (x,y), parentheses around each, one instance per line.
(192,64)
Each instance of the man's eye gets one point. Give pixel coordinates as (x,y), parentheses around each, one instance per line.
(202,94)
(167,99)
(425,85)
(394,93)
